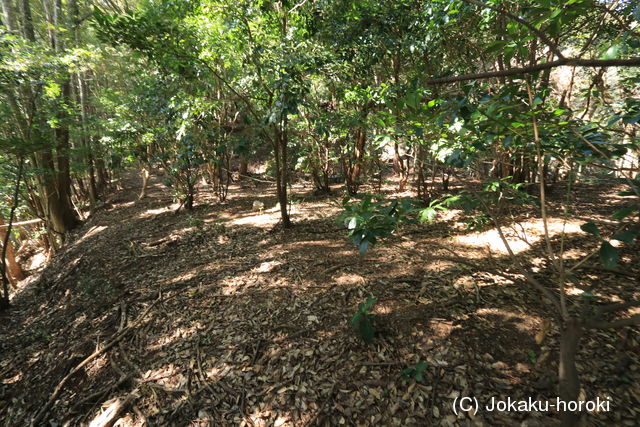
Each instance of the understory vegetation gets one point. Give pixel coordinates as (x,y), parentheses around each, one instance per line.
(319,212)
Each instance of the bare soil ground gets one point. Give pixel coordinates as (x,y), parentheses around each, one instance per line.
(224,319)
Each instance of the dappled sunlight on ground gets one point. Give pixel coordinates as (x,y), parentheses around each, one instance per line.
(179,333)
(522,321)
(491,240)
(260,220)
(520,237)
(252,322)
(92,232)
(157,211)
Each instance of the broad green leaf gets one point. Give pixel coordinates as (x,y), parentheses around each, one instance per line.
(366,330)
(626,236)
(428,214)
(624,212)
(609,256)
(590,228)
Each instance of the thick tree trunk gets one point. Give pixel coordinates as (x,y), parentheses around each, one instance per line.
(56,204)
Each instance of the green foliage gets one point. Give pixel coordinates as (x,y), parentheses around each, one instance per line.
(362,320)
(430,213)
(195,221)
(608,253)
(415,372)
(369,219)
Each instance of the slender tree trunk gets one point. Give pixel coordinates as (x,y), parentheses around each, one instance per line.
(27,21)
(4,301)
(14,270)
(423,192)
(353,175)
(244,165)
(569,386)
(280,145)
(144,172)
(82,98)
(8,16)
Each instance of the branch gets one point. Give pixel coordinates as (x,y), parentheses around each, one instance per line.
(629,321)
(15,224)
(116,338)
(578,62)
(619,306)
(521,268)
(537,32)
(297,6)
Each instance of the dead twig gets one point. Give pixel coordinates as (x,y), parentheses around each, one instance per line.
(113,411)
(118,336)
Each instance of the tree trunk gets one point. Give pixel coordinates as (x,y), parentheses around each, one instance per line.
(569,387)
(14,271)
(144,172)
(244,166)
(421,184)
(27,21)
(280,146)
(8,16)
(353,175)
(4,300)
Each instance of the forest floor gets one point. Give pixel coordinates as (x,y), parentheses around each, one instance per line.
(216,317)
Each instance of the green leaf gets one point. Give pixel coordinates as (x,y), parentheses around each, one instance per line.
(626,236)
(368,305)
(421,366)
(624,212)
(590,228)
(366,330)
(609,256)
(353,223)
(355,320)
(428,214)
(612,52)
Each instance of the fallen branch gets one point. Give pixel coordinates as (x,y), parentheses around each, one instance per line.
(99,394)
(113,411)
(629,321)
(118,336)
(15,224)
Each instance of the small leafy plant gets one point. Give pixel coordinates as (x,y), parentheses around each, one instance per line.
(195,221)
(629,227)
(362,320)
(368,220)
(416,372)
